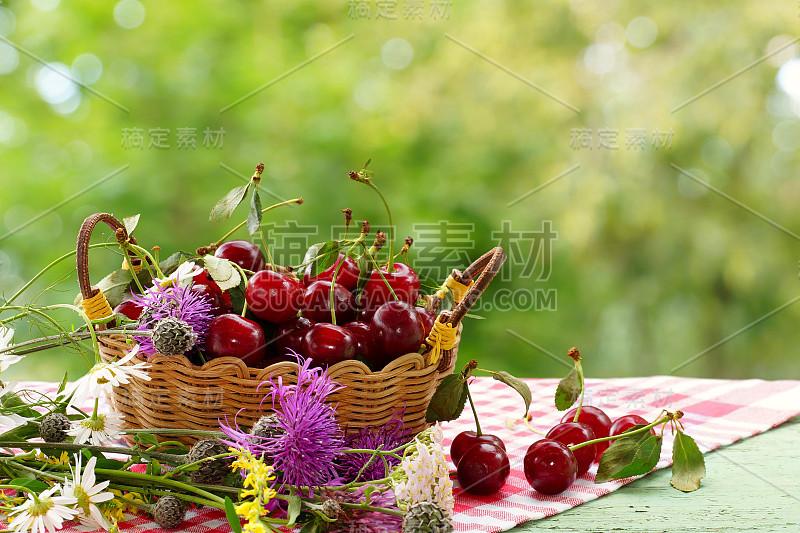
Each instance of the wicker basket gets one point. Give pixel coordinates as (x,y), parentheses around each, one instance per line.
(181,395)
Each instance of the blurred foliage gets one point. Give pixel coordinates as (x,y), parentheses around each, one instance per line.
(650,268)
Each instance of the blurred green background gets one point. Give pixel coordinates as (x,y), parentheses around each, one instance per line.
(649,269)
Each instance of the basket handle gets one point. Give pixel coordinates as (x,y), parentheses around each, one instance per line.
(466,290)
(94,302)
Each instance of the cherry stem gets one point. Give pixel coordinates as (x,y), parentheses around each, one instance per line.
(380,272)
(622,435)
(474,411)
(391,226)
(222,239)
(579,369)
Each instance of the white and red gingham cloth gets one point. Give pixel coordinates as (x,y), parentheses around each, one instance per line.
(716,413)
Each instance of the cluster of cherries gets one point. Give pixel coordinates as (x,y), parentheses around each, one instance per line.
(290,314)
(550,464)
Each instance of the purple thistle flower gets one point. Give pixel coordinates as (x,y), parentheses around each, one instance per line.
(366,521)
(237,438)
(303,453)
(391,435)
(178,302)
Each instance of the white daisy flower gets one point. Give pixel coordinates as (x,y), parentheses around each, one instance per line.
(98,429)
(103,377)
(184,274)
(10,420)
(7,359)
(88,493)
(42,513)
(222,272)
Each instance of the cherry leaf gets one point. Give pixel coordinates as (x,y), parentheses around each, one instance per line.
(224,208)
(568,391)
(688,465)
(254,216)
(131,223)
(629,456)
(322,255)
(516,384)
(449,399)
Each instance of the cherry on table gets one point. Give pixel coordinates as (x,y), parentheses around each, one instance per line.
(574,433)
(130,309)
(317,302)
(244,253)
(550,466)
(365,339)
(347,275)
(624,423)
(328,344)
(289,335)
(597,420)
(230,335)
(404,282)
(398,330)
(273,296)
(467,439)
(483,469)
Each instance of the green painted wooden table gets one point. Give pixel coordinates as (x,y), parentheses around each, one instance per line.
(753,485)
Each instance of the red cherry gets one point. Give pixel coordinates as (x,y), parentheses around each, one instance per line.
(244,253)
(574,433)
(404,282)
(595,419)
(624,423)
(550,467)
(467,439)
(289,336)
(130,309)
(273,296)
(204,279)
(233,336)
(327,344)
(427,317)
(365,339)
(347,275)
(317,303)
(398,330)
(483,469)
(218,304)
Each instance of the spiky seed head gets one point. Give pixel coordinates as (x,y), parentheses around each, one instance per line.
(173,337)
(169,512)
(209,472)
(54,427)
(426,517)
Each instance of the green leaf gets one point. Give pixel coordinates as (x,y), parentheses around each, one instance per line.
(171,263)
(449,399)
(448,302)
(233,518)
(688,465)
(154,468)
(254,217)
(11,401)
(427,285)
(131,223)
(629,456)
(33,484)
(295,505)
(237,297)
(516,384)
(568,391)
(63,385)
(147,439)
(224,208)
(115,286)
(321,256)
(310,527)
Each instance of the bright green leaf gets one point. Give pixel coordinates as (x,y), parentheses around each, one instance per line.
(568,391)
(147,439)
(33,484)
(233,518)
(629,456)
(224,208)
(321,256)
(449,399)
(688,465)
(295,505)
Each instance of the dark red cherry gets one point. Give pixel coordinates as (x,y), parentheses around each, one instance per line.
(550,467)
(327,344)
(404,282)
(233,336)
(595,419)
(467,439)
(244,253)
(483,469)
(273,296)
(398,330)
(427,317)
(347,275)
(130,309)
(317,303)
(624,423)
(204,279)
(218,304)
(574,433)
(289,335)
(365,339)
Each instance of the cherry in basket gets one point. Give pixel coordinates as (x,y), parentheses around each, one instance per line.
(328,344)
(230,335)
(274,296)
(347,275)
(404,282)
(244,253)
(398,331)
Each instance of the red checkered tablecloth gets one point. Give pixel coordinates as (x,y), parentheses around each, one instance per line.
(716,413)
